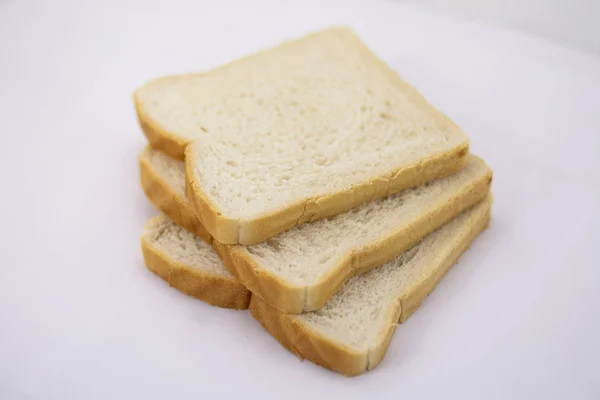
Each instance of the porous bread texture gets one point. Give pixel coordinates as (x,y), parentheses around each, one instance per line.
(300,132)
(352,332)
(300,269)
(163,181)
(183,247)
(190,265)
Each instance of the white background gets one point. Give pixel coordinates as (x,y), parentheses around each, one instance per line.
(573,23)
(81,317)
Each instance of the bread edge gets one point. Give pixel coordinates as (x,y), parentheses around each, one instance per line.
(217,290)
(292,299)
(307,343)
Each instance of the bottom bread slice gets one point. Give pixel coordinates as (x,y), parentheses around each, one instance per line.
(352,332)
(190,265)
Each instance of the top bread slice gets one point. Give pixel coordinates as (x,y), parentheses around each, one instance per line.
(352,332)
(303,131)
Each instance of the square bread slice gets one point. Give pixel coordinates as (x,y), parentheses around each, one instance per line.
(352,332)
(297,133)
(300,269)
(190,265)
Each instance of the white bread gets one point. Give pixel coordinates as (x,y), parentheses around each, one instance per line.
(352,332)
(299,270)
(304,131)
(190,265)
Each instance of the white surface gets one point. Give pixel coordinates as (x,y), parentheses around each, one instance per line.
(573,23)
(80,316)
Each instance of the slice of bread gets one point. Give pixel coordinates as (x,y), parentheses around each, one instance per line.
(297,133)
(190,265)
(299,270)
(352,332)
(163,182)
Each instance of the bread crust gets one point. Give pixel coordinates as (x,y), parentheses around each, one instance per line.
(308,343)
(162,195)
(296,299)
(219,290)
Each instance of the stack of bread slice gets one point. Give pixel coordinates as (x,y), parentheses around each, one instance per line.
(311,184)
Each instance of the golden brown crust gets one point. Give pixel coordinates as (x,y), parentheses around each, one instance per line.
(230,230)
(219,290)
(307,343)
(294,299)
(162,195)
